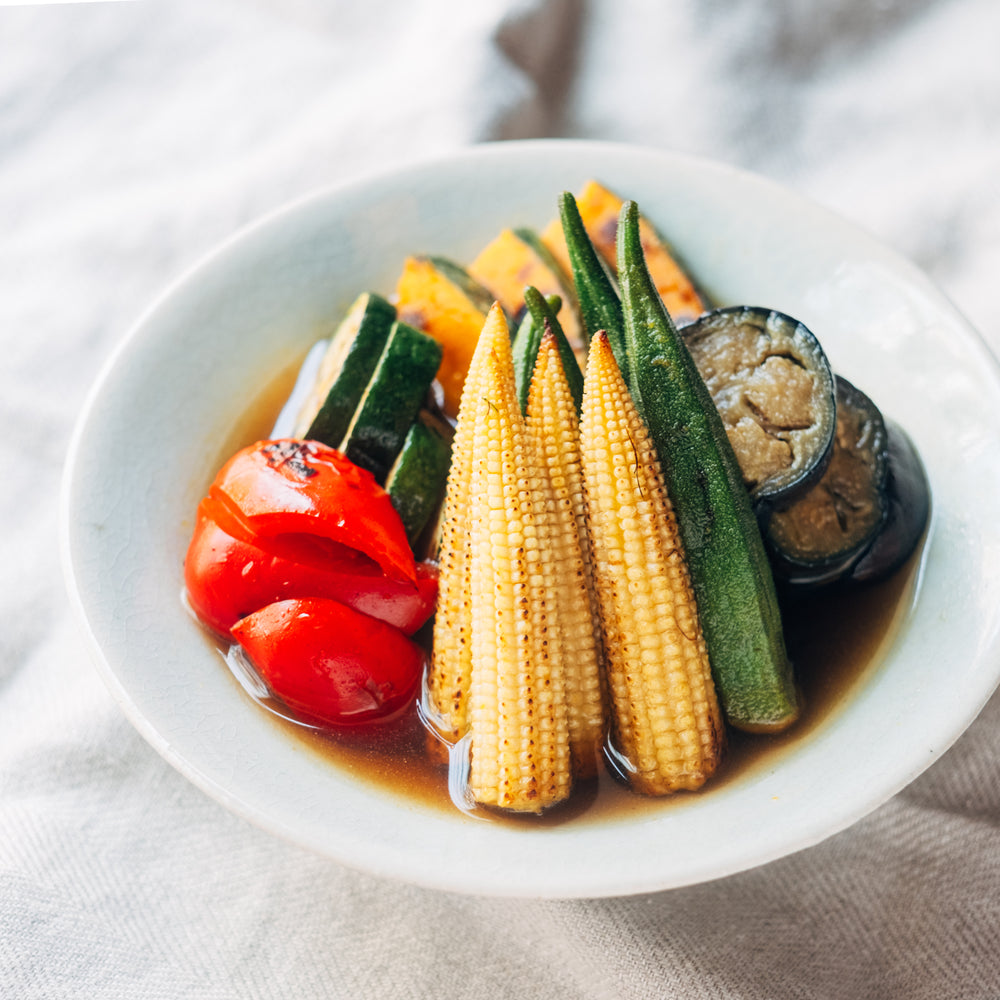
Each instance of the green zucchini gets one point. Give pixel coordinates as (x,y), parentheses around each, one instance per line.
(391,399)
(345,370)
(600,304)
(417,479)
(737,602)
(541,314)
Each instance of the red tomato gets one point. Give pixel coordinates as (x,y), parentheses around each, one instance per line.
(291,486)
(331,663)
(227,578)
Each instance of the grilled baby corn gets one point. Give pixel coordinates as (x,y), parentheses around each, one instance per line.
(451,663)
(554,431)
(666,727)
(501,514)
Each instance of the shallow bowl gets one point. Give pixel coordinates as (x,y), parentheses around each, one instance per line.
(175,398)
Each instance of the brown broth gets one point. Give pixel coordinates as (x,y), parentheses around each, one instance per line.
(835,640)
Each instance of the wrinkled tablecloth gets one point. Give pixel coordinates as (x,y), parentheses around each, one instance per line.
(134,136)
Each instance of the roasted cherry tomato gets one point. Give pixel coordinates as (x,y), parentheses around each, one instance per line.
(227,578)
(330,663)
(291,486)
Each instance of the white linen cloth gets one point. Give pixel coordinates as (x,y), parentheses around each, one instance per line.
(133,137)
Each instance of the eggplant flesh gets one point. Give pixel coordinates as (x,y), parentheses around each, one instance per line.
(772,385)
(867,513)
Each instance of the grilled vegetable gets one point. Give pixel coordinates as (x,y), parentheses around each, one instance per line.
(600,304)
(667,729)
(600,209)
(416,481)
(345,369)
(541,316)
(554,433)
(729,567)
(518,258)
(908,509)
(228,574)
(391,400)
(867,513)
(450,668)
(331,664)
(773,388)
(274,489)
(516,713)
(437,296)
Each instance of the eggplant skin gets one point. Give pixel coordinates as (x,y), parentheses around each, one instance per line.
(908,498)
(877,487)
(818,539)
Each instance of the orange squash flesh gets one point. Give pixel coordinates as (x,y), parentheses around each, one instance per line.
(508,264)
(429,300)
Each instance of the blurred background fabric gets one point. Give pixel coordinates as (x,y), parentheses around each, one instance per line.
(134,136)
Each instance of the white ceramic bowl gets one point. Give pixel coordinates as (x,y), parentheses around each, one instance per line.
(169,406)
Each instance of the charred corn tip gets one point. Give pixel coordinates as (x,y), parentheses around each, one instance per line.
(554,430)
(666,723)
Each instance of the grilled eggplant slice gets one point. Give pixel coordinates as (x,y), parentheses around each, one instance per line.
(908,505)
(772,385)
(823,535)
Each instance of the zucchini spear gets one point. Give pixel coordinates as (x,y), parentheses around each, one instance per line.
(729,568)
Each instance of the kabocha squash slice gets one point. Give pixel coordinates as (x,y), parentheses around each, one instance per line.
(437,296)
(732,579)
(516,259)
(599,209)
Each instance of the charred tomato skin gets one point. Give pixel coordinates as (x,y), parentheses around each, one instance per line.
(286,485)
